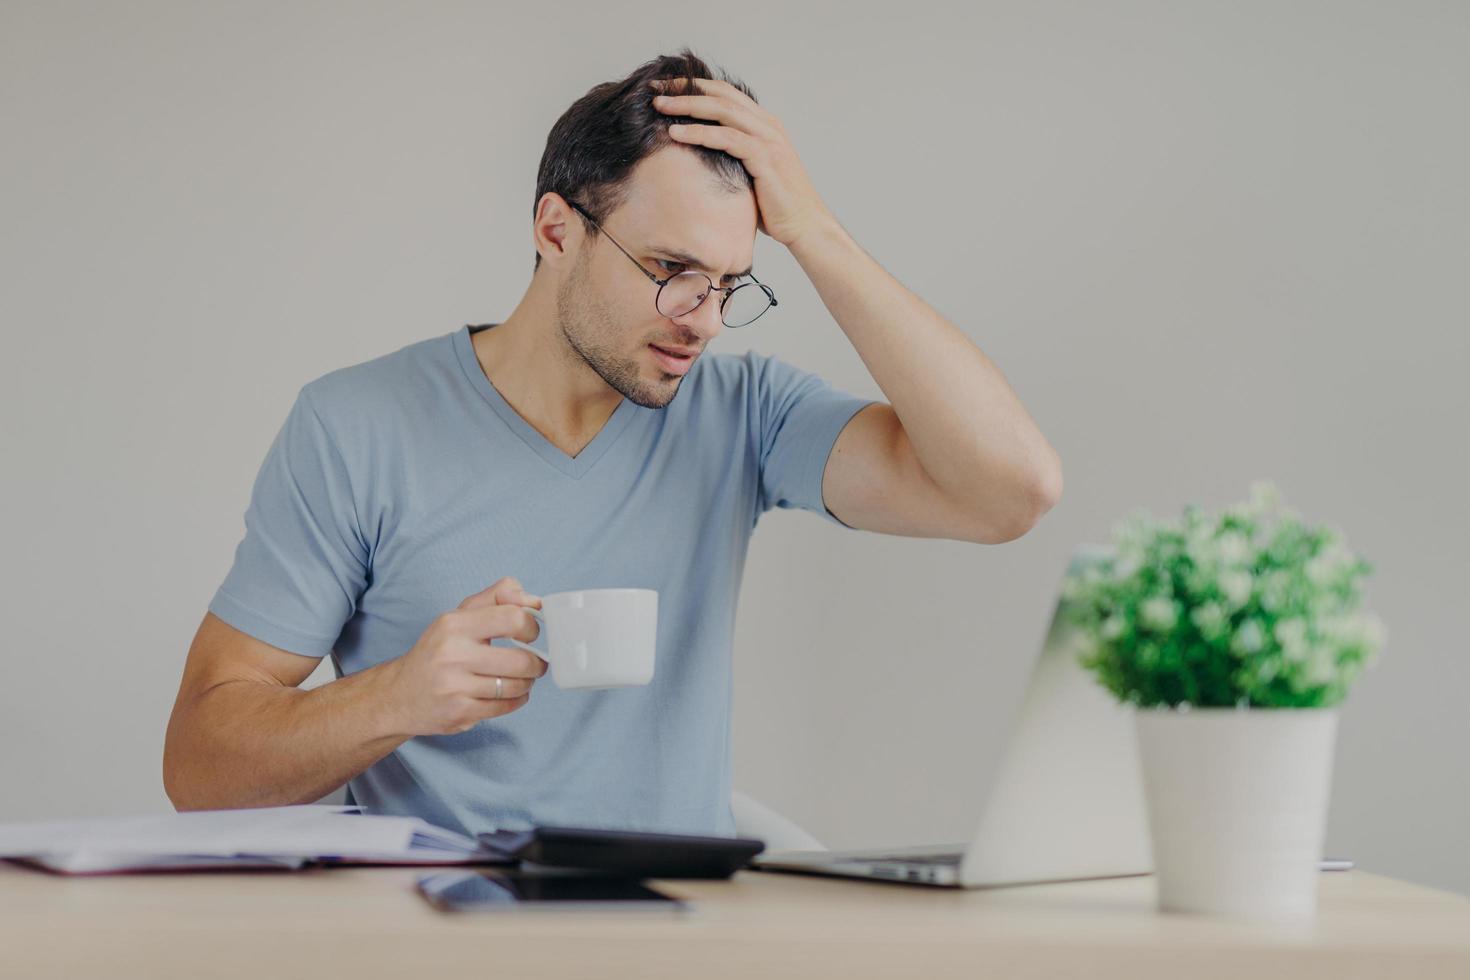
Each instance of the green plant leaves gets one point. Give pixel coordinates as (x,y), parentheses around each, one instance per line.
(1247,607)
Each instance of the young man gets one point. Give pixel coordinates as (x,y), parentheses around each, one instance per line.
(589,440)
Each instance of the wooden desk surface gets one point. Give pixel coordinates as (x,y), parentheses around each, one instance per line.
(369,922)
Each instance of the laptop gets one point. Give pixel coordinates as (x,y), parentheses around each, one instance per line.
(1066,803)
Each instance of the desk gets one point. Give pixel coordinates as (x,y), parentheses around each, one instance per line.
(369,922)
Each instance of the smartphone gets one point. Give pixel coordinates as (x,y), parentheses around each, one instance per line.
(512,890)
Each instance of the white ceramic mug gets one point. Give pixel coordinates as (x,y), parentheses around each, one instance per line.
(597,637)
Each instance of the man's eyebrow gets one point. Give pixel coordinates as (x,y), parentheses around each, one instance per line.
(691,261)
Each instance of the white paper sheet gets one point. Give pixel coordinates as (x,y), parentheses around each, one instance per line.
(291,831)
(99,862)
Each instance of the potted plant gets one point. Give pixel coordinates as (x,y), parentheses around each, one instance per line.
(1234,637)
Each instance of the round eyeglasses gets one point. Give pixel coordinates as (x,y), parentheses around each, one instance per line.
(681,294)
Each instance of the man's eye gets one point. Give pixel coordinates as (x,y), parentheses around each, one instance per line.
(674,268)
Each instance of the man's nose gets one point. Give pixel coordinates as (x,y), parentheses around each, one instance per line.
(704,318)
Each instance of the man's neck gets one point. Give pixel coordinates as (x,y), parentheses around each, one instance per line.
(548,384)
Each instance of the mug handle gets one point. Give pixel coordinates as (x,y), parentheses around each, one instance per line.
(580,652)
(536,613)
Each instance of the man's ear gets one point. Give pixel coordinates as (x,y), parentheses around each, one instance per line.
(552,231)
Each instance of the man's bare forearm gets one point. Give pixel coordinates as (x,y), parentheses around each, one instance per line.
(248,743)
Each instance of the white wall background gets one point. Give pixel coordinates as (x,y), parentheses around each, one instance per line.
(1205,242)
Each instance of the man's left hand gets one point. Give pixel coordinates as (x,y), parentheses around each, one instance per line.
(787,202)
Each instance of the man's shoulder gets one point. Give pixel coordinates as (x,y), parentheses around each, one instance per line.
(746,370)
(389,381)
(754,375)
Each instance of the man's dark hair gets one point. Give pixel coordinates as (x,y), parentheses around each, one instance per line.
(594,146)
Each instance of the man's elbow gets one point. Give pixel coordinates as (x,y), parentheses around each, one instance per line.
(1043,496)
(177,785)
(172,783)
(1047,493)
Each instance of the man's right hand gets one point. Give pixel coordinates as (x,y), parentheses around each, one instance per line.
(446,683)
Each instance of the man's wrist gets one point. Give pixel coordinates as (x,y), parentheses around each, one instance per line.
(826,247)
(381,693)
(821,232)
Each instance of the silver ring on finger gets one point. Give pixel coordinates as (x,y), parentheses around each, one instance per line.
(499,682)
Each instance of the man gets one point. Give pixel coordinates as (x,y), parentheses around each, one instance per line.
(588,440)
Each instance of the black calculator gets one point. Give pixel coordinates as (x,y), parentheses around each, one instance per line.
(626,852)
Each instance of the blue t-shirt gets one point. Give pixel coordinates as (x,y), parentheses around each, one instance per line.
(399,486)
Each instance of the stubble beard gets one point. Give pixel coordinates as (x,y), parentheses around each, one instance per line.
(588,326)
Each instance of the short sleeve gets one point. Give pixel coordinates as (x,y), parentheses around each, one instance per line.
(303,563)
(801,416)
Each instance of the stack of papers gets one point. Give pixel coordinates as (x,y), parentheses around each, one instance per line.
(262,837)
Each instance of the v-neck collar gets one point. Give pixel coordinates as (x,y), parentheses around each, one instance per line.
(573,466)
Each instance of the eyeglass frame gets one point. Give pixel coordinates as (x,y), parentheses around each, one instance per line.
(727,290)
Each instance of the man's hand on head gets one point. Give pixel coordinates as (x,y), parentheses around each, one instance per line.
(788,203)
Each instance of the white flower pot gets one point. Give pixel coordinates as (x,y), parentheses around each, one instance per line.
(1237,806)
